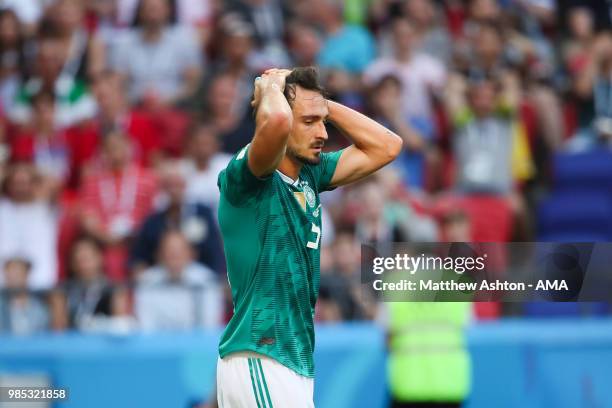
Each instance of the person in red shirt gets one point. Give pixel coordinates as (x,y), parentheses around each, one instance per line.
(116,197)
(115,114)
(42,141)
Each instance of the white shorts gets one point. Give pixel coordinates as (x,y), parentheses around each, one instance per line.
(251,380)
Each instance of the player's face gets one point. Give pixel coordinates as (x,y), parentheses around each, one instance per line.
(308,134)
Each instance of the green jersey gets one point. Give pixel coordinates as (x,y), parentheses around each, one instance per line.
(271,233)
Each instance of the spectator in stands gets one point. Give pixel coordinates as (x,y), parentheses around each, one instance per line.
(304,44)
(29,12)
(382,220)
(101,18)
(372,224)
(342,87)
(177,293)
(162,63)
(267,17)
(116,198)
(593,88)
(600,10)
(85,55)
(577,46)
(194,220)
(579,53)
(493,50)
(488,147)
(489,51)
(483,137)
(455,227)
(225,111)
(416,133)
(434,39)
(420,74)
(87,293)
(236,54)
(202,165)
(13,57)
(482,12)
(116,114)
(187,12)
(28,223)
(42,142)
(73,101)
(21,312)
(5,153)
(340,296)
(347,47)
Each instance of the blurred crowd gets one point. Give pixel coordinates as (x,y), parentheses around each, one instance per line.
(116,117)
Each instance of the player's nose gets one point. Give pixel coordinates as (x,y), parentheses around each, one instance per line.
(322,134)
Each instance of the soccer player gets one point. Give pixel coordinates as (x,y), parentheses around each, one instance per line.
(270,219)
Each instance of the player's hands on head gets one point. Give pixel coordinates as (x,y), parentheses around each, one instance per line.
(273,76)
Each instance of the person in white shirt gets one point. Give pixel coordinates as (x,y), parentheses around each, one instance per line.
(203,166)
(420,74)
(29,12)
(177,294)
(161,62)
(190,12)
(28,225)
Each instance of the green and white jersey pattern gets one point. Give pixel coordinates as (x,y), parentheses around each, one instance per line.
(272,232)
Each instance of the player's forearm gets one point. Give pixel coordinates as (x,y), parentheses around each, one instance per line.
(273,125)
(367,135)
(274,110)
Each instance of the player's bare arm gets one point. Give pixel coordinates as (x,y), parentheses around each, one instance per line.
(373,147)
(273,122)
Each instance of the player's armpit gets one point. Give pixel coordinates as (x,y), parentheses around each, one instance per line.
(237,182)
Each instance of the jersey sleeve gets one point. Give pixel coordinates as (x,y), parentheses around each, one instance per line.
(324,172)
(239,185)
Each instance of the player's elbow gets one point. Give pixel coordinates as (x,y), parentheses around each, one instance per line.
(281,122)
(393,147)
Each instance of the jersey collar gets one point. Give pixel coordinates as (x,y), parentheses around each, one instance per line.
(288,179)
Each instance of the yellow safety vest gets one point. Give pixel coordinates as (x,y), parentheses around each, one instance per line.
(428,360)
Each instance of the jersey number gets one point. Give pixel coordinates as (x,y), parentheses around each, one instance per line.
(315,244)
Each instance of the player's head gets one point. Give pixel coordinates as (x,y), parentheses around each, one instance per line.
(309,106)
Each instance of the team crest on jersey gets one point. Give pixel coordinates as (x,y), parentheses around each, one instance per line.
(299,196)
(310,195)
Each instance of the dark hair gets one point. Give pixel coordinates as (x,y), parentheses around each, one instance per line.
(80,240)
(172,18)
(454,216)
(194,129)
(21,43)
(387,79)
(304,77)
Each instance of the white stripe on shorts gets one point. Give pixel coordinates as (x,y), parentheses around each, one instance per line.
(251,380)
